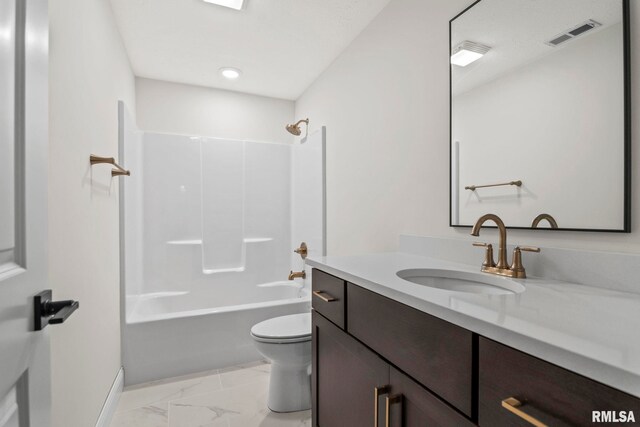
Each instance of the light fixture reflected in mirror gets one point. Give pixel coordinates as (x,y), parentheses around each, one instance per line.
(467,52)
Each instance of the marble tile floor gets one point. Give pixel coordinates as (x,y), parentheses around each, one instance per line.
(231,397)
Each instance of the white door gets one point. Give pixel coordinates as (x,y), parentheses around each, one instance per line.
(24,353)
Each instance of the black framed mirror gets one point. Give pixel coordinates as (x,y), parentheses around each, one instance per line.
(540,130)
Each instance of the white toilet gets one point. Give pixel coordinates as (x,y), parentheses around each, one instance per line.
(286,342)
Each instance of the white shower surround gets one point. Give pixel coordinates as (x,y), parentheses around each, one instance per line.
(209,228)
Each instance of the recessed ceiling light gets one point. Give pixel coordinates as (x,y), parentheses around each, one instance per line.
(230,73)
(233,4)
(467,52)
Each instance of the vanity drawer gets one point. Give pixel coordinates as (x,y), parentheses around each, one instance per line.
(328,296)
(436,353)
(553,395)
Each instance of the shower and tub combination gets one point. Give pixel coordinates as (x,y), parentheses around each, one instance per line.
(209,229)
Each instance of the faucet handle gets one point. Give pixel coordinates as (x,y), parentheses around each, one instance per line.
(488,255)
(517,266)
(302,250)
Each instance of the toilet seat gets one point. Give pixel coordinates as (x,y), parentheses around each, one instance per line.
(284,329)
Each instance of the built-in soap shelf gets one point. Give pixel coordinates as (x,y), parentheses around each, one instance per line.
(243,267)
(199,241)
(258,239)
(185,242)
(239,269)
(222,270)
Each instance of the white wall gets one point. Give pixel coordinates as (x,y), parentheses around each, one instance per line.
(166,107)
(89,72)
(385,102)
(538,118)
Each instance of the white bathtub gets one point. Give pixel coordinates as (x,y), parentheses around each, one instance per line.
(171,334)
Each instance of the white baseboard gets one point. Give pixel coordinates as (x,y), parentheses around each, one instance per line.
(110,405)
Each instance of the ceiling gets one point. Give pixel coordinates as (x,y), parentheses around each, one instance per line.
(516,31)
(281,46)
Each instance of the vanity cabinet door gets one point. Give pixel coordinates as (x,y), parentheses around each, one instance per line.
(345,375)
(437,354)
(548,393)
(411,405)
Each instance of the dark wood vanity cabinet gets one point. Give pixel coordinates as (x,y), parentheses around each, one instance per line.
(345,375)
(351,384)
(429,372)
(419,408)
(351,369)
(328,296)
(550,394)
(435,353)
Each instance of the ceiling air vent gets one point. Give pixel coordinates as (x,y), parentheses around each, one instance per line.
(573,32)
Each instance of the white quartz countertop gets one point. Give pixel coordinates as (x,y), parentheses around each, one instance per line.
(592,331)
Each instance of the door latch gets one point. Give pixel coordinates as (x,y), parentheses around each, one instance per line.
(47,311)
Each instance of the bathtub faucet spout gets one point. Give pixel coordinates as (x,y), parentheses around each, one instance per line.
(297,274)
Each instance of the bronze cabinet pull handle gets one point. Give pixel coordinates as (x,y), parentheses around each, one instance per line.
(376,397)
(327,298)
(513,405)
(396,398)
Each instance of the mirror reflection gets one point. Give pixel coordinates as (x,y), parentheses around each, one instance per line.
(538,132)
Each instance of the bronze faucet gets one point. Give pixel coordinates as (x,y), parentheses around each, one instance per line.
(502,244)
(297,274)
(551,220)
(502,268)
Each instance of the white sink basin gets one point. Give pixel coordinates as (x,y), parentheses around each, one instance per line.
(461,281)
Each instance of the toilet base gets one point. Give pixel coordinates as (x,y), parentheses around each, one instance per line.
(289,388)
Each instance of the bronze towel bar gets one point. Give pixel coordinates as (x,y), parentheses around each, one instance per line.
(473,187)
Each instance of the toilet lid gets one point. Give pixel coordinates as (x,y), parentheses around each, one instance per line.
(284,327)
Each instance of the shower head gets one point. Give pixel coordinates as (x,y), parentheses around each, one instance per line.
(295,128)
